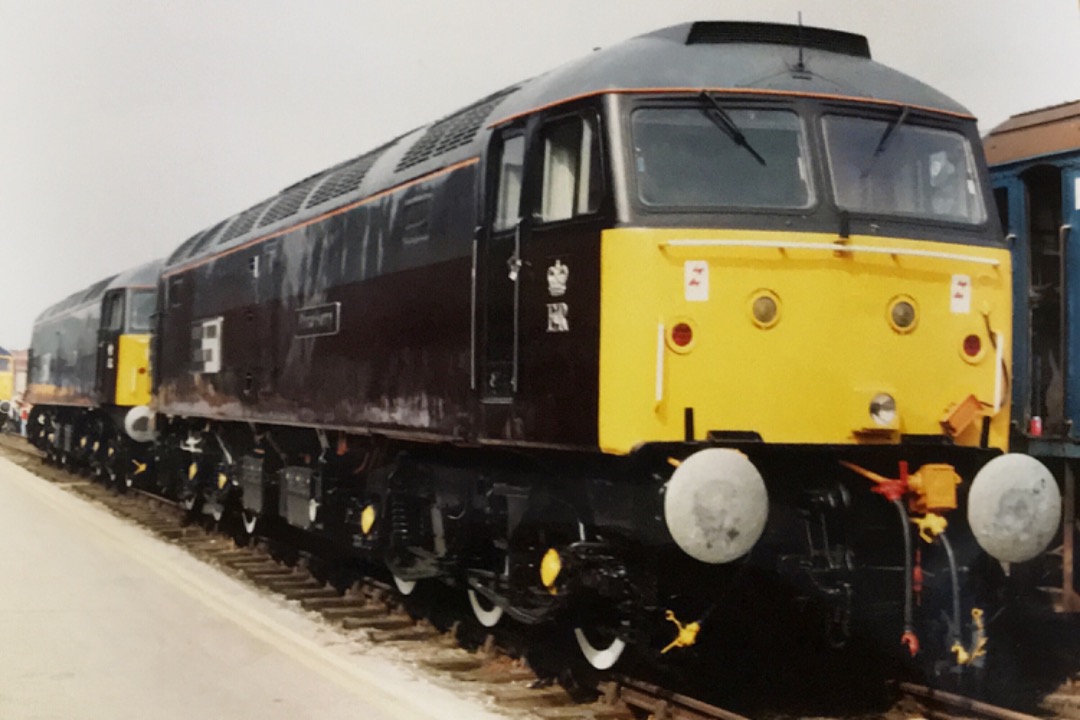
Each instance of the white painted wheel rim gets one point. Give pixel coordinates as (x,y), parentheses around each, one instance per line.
(405,587)
(486,617)
(600,658)
(249,524)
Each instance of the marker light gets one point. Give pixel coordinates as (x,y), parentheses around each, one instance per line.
(972,345)
(682,335)
(883,409)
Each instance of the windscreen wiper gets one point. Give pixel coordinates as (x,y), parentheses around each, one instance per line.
(883,143)
(725,123)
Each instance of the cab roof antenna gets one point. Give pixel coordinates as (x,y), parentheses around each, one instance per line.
(800,66)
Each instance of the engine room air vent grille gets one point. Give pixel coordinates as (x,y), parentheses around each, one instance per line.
(204,239)
(716,33)
(289,201)
(244,223)
(346,179)
(182,251)
(452,132)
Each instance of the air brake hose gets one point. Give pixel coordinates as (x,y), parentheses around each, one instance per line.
(955,586)
(908,638)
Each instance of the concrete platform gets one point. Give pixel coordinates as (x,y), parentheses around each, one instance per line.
(99,619)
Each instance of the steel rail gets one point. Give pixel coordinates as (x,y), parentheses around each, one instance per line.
(959,702)
(659,702)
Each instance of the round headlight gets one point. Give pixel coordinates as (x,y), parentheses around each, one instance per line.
(764,308)
(883,409)
(903,314)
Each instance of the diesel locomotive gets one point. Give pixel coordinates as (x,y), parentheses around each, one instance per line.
(89,376)
(1034,160)
(721,305)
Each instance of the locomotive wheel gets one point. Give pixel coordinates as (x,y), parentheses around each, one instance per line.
(405,587)
(601,654)
(486,616)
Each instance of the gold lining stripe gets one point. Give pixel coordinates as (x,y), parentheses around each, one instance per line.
(728,91)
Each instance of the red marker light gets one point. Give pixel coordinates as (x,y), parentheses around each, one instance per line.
(972,345)
(682,335)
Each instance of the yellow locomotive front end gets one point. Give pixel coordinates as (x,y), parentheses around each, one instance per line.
(802,338)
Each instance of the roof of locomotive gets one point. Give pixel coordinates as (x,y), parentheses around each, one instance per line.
(1045,131)
(720,56)
(74,300)
(145,275)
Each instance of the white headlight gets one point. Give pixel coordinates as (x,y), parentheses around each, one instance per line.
(883,409)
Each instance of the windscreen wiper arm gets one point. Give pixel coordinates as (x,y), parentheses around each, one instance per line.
(725,123)
(886,136)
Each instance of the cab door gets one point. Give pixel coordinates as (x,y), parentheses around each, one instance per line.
(112,325)
(559,335)
(497,275)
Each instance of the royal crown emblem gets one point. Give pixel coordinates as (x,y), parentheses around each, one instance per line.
(557,275)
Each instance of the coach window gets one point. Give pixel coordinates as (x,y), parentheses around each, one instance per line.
(508,207)
(571,165)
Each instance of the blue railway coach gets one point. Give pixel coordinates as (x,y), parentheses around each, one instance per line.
(1034,160)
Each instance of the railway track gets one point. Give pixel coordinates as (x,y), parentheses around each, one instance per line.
(372,611)
(941,705)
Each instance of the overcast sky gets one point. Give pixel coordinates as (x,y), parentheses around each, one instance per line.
(128,125)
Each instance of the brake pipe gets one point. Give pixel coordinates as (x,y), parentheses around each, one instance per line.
(908,639)
(955,587)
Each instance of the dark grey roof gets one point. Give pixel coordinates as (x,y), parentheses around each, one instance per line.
(76,299)
(143,275)
(749,57)
(663,60)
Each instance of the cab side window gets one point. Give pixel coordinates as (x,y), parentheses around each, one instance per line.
(508,203)
(571,184)
(114,312)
